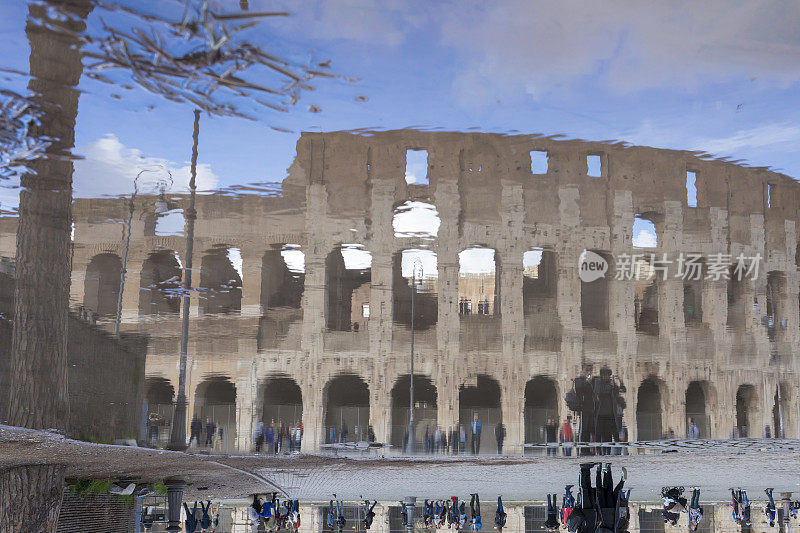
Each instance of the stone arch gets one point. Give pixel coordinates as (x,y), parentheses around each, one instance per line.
(160,281)
(540,300)
(160,395)
(426,301)
(220,282)
(281,401)
(541,405)
(425,410)
(347,289)
(282,286)
(482,398)
(696,405)
(746,410)
(101,284)
(784,413)
(649,410)
(215,398)
(346,400)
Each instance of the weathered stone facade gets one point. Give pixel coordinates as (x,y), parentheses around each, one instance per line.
(344,189)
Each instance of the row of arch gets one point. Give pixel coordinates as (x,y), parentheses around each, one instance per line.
(346,406)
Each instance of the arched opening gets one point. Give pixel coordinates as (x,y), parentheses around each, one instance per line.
(780,415)
(282,286)
(346,409)
(595,297)
(645,298)
(159,394)
(347,288)
(776,303)
(483,400)
(540,301)
(696,408)
(745,404)
(420,265)
(541,408)
(220,282)
(101,285)
(648,411)
(215,400)
(160,284)
(425,411)
(644,233)
(282,402)
(479,299)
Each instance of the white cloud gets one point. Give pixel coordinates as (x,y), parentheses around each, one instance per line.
(109,168)
(423,260)
(758,137)
(644,234)
(545,47)
(355,257)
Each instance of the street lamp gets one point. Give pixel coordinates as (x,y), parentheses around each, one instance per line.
(177,439)
(411,442)
(160,208)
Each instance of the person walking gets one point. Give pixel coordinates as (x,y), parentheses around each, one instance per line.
(369,513)
(500,435)
(500,515)
(567,505)
(770,510)
(205,519)
(552,513)
(211,428)
(404,512)
(437,440)
(190,524)
(695,511)
(565,436)
(477,428)
(462,439)
(195,429)
(692,432)
(475,507)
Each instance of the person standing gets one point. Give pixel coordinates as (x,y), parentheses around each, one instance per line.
(477,429)
(583,388)
(437,440)
(343,433)
(551,435)
(475,507)
(211,427)
(195,429)
(332,434)
(552,512)
(565,436)
(500,515)
(462,439)
(770,510)
(269,438)
(500,435)
(605,422)
(692,432)
(258,436)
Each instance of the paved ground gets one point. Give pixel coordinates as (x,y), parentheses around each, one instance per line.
(714,466)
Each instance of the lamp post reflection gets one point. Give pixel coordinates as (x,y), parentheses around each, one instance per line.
(177,439)
(411,440)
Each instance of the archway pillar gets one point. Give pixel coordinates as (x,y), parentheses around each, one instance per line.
(246,398)
(512,402)
(252,264)
(313,416)
(380,414)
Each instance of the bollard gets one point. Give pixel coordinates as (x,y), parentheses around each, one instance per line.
(175,488)
(411,502)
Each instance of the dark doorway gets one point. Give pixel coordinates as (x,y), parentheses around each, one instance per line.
(483,399)
(347,408)
(101,286)
(541,405)
(425,412)
(160,282)
(696,407)
(220,283)
(648,411)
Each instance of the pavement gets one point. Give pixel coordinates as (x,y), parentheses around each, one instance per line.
(713,465)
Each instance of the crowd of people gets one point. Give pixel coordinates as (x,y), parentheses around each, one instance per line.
(599,401)
(277,438)
(454,441)
(210,434)
(452,513)
(273,515)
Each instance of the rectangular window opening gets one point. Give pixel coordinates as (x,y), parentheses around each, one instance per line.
(594,166)
(539,162)
(417,167)
(365,310)
(691,188)
(770,194)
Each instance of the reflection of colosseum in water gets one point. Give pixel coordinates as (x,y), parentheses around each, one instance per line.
(315,323)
